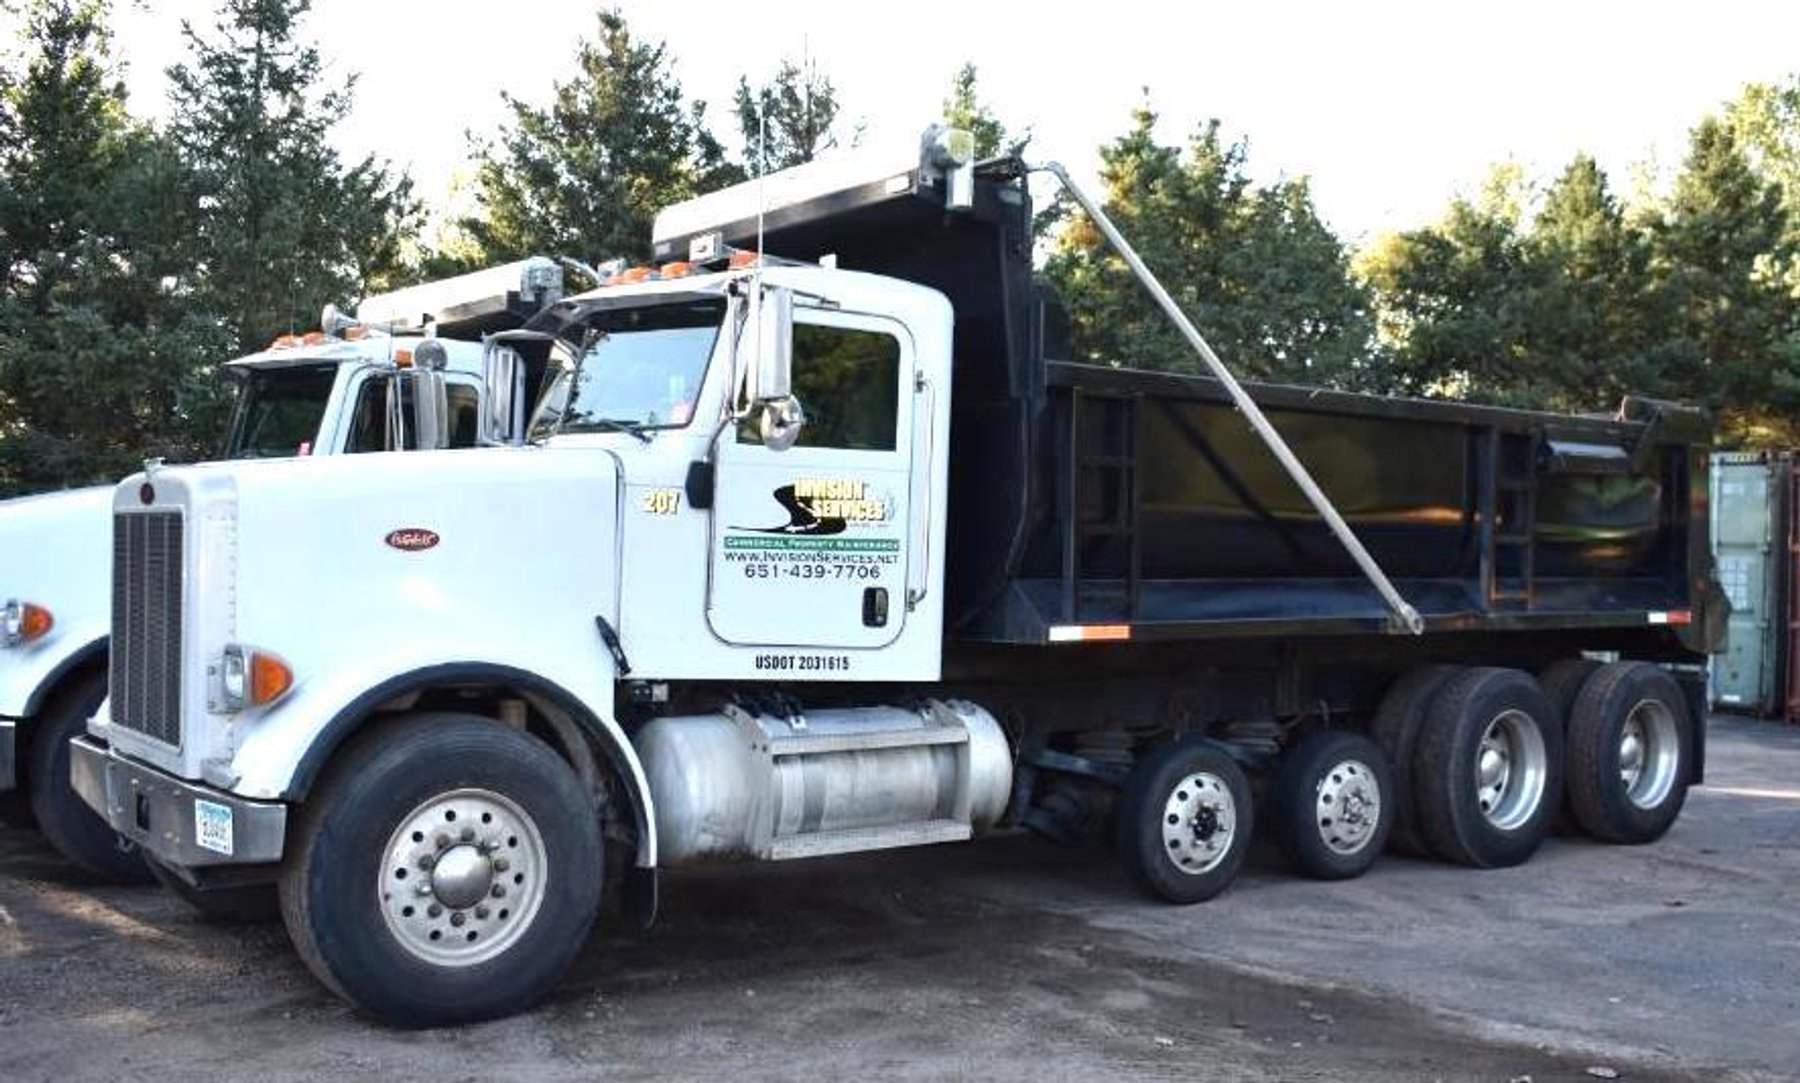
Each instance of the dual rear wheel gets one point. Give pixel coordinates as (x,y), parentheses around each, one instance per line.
(1492,758)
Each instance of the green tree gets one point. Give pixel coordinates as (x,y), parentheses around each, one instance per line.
(286,225)
(103,357)
(1765,121)
(788,120)
(1518,299)
(1590,334)
(965,109)
(1456,298)
(586,175)
(1255,268)
(1719,247)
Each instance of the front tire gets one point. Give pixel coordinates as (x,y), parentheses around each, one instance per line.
(1629,736)
(1333,804)
(76,830)
(1184,821)
(1489,768)
(447,870)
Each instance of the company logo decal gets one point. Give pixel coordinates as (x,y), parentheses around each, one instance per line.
(411,539)
(818,506)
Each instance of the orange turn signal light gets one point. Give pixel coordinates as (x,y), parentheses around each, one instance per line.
(25,622)
(36,624)
(270,678)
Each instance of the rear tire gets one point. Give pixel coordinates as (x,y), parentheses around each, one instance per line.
(1184,821)
(446,870)
(1396,729)
(1333,804)
(1629,740)
(1562,681)
(1489,768)
(76,830)
(250,904)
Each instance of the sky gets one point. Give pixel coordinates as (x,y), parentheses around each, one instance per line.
(1390,108)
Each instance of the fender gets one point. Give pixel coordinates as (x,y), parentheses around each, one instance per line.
(34,702)
(619,752)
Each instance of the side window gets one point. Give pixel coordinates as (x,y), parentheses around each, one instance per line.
(848,382)
(465,416)
(369,424)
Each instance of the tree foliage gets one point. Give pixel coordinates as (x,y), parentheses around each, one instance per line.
(285,225)
(102,353)
(788,120)
(1570,300)
(1265,279)
(1490,305)
(585,175)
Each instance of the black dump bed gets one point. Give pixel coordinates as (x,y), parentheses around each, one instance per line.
(1144,504)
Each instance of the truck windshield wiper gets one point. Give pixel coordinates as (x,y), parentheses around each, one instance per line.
(612,424)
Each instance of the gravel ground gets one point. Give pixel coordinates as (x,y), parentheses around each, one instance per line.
(1008,959)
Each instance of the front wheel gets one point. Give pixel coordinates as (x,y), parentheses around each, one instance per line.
(446,870)
(1184,821)
(76,830)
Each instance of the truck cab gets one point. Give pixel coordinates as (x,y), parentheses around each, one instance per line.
(347,389)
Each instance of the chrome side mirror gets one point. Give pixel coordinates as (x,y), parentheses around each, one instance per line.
(782,420)
(770,328)
(419,402)
(502,374)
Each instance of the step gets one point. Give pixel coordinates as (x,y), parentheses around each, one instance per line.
(814,744)
(859,839)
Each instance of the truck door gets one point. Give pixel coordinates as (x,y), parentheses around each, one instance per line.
(810,545)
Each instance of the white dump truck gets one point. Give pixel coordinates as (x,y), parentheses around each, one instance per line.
(831,553)
(347,389)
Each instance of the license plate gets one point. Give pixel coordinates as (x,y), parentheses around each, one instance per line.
(212,827)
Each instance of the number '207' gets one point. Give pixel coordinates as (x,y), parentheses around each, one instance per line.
(662,501)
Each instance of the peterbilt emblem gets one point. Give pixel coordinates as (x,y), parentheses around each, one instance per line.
(411,539)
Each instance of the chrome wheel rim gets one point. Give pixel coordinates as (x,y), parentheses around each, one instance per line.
(1649,754)
(1347,808)
(1199,823)
(1510,769)
(462,877)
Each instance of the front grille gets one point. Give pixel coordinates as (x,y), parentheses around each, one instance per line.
(146,624)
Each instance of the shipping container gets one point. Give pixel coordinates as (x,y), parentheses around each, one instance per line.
(1750,507)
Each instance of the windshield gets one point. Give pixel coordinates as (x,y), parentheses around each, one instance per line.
(641,367)
(279,411)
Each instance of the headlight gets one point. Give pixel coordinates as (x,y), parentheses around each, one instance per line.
(23,622)
(251,678)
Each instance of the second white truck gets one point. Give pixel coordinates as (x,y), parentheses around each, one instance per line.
(343,390)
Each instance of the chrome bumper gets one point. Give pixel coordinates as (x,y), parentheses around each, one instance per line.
(178,823)
(9,772)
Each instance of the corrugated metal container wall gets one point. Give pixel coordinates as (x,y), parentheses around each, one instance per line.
(1750,543)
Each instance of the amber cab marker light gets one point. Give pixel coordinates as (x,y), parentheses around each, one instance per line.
(24,622)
